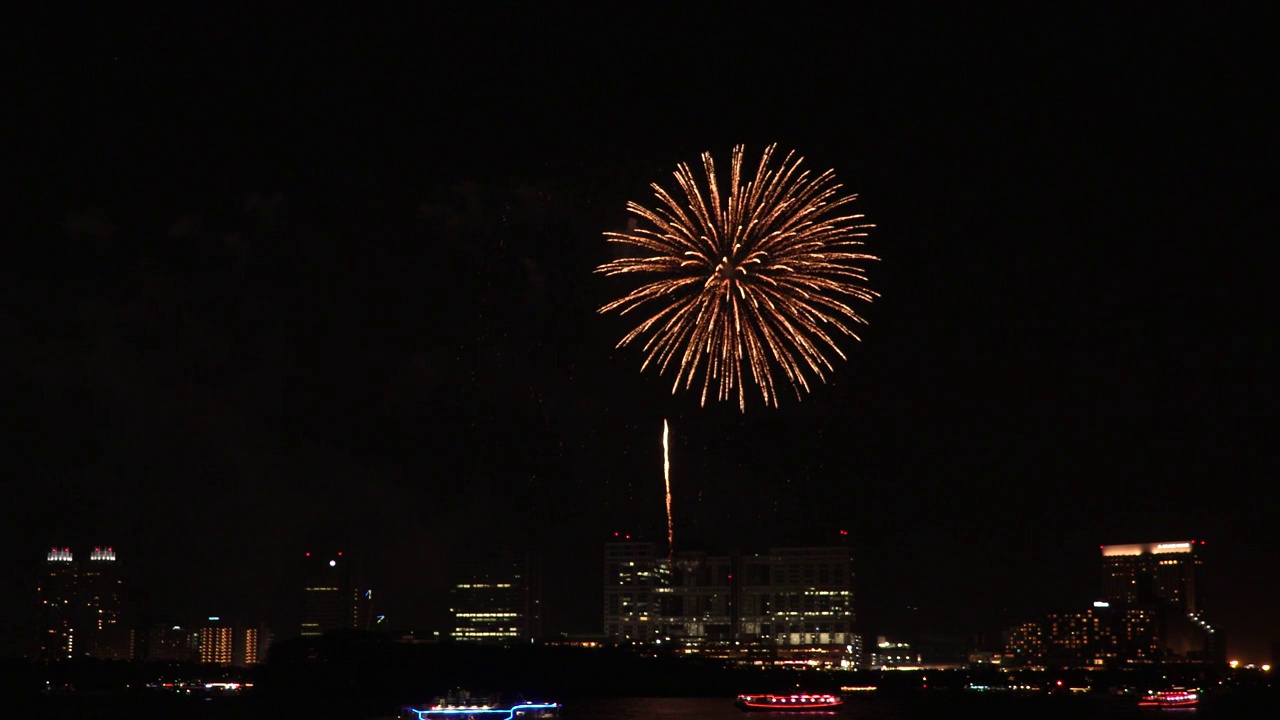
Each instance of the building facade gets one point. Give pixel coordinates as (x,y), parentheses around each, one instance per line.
(105,634)
(496,597)
(221,642)
(334,595)
(1149,572)
(786,606)
(214,644)
(635,577)
(82,607)
(58,596)
(1110,635)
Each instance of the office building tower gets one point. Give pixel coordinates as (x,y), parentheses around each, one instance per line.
(103,631)
(815,585)
(334,595)
(789,605)
(1153,572)
(101,590)
(58,597)
(496,597)
(634,578)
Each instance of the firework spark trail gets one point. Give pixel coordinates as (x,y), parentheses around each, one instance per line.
(666,476)
(749,280)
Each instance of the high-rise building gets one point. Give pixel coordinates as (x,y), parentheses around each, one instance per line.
(811,599)
(59,605)
(250,645)
(634,578)
(1148,572)
(100,586)
(334,595)
(215,642)
(1111,634)
(788,605)
(496,597)
(104,633)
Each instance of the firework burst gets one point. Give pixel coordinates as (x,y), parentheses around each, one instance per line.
(747,280)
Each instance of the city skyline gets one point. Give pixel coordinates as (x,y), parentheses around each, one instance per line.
(495,597)
(325,280)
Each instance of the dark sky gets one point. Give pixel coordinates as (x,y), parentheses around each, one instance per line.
(303,277)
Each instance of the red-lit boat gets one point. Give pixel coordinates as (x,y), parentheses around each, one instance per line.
(795,702)
(1176,698)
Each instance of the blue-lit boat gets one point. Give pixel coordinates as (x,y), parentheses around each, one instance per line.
(462,705)
(795,702)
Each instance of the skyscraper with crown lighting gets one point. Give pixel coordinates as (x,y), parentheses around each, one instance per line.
(104,632)
(82,606)
(58,596)
(1147,572)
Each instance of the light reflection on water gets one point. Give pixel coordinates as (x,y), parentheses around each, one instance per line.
(922,708)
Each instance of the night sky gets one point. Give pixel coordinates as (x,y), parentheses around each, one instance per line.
(321,278)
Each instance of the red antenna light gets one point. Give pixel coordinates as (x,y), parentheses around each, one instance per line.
(339,553)
(308,554)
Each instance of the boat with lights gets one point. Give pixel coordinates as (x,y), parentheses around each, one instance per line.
(1175,698)
(463,705)
(793,702)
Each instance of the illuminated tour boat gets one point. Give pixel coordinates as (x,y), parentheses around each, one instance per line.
(795,702)
(1175,698)
(462,705)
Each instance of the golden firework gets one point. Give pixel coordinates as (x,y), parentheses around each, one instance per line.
(757,278)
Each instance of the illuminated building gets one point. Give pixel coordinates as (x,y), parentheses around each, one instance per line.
(1024,643)
(58,605)
(215,643)
(1108,635)
(100,585)
(496,598)
(1146,572)
(889,654)
(634,576)
(1150,612)
(789,605)
(334,598)
(250,645)
(221,642)
(82,607)
(104,634)
(809,602)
